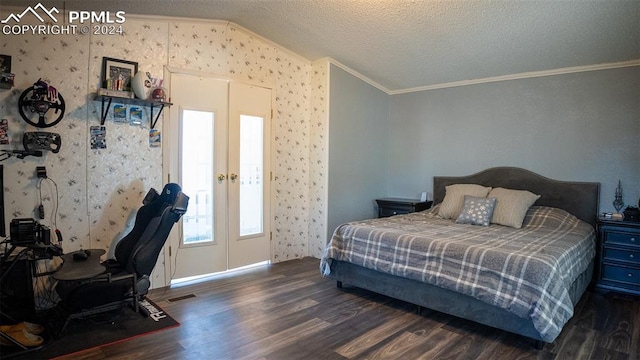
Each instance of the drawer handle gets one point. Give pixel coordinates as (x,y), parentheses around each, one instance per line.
(630,275)
(395,213)
(631,256)
(633,239)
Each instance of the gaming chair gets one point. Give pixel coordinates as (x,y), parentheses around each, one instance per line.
(126,278)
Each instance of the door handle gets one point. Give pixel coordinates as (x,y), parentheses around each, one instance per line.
(221,177)
(233,177)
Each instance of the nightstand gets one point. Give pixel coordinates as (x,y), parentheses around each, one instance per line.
(396,206)
(618,256)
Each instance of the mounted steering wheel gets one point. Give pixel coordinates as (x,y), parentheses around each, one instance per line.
(40,98)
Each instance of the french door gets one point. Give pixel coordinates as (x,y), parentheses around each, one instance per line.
(219,151)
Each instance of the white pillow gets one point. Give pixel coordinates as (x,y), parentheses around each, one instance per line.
(511,206)
(454,198)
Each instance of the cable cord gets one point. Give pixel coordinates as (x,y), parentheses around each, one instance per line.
(45,296)
(54,214)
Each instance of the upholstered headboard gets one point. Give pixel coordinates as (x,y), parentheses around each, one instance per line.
(579,198)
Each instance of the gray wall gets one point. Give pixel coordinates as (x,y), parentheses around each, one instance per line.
(582,126)
(358,148)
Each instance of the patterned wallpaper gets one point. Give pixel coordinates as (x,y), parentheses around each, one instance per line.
(99,189)
(63,61)
(211,47)
(318,157)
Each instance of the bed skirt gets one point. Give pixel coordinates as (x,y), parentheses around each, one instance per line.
(446,301)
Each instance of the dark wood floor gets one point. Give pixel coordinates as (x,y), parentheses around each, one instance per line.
(288,311)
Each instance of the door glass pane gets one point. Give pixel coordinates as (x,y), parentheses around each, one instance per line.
(196,171)
(251,170)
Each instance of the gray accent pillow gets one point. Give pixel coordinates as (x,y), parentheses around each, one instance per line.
(454,198)
(511,206)
(476,210)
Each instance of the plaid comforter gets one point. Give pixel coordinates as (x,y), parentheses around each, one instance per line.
(526,271)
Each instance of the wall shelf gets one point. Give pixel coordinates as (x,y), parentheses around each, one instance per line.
(129,101)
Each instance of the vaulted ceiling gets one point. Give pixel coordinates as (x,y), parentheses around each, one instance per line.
(409,44)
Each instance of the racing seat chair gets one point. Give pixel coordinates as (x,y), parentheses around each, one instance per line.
(125,279)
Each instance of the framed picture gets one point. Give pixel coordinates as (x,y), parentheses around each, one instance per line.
(117,74)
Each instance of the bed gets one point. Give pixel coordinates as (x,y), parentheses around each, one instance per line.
(525,280)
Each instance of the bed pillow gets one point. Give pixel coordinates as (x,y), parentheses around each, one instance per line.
(476,210)
(454,198)
(511,206)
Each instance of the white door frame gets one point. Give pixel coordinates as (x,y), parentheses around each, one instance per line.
(168,160)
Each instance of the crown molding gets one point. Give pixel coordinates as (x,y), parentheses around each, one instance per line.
(356,74)
(525,75)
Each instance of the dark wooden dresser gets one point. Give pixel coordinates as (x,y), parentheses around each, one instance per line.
(618,256)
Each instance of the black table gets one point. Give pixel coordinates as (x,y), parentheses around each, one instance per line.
(73,269)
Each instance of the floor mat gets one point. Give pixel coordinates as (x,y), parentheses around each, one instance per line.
(84,334)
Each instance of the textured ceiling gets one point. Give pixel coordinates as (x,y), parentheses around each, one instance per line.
(403,44)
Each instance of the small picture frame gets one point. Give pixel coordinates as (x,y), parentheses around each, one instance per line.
(117,74)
